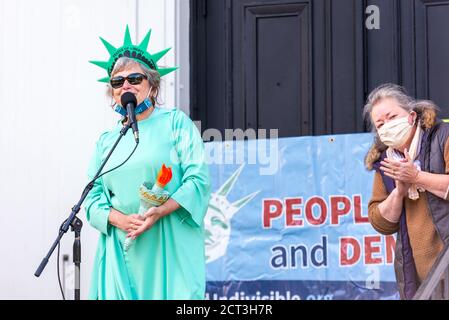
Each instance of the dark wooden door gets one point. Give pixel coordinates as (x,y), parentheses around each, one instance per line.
(306,67)
(432,52)
(411,48)
(271,77)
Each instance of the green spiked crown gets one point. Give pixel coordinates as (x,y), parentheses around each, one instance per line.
(131,51)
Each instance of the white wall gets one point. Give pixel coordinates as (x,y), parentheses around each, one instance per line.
(182,18)
(53,111)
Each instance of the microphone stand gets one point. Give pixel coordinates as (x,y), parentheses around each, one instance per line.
(77,224)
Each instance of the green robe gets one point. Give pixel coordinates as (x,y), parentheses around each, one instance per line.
(167,261)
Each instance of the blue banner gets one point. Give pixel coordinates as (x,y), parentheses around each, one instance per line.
(288,219)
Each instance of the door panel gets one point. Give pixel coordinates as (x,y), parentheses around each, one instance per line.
(432,52)
(277,80)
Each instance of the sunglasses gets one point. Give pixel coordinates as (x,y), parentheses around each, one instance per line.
(133,79)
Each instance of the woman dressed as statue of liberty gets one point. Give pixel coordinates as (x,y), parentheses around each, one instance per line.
(151,243)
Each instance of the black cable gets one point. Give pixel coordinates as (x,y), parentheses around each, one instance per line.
(59,278)
(91,182)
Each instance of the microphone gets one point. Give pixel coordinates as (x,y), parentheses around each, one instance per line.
(129,101)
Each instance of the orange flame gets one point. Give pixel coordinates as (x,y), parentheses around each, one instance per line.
(164,176)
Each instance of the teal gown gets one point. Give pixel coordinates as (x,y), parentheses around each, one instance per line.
(168,260)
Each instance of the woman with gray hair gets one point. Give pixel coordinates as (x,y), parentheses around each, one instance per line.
(410,156)
(150,220)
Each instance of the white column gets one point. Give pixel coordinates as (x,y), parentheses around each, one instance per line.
(158,16)
(182,56)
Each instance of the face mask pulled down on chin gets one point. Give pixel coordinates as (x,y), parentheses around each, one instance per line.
(141,107)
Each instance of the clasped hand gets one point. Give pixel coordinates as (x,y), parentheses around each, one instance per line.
(404,171)
(148,219)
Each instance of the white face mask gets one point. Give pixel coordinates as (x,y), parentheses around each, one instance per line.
(394,133)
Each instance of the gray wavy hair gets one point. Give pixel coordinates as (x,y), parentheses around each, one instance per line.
(153,76)
(397,92)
